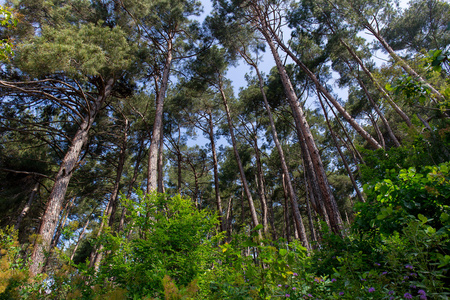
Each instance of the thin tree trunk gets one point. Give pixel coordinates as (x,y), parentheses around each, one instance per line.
(229,216)
(80,237)
(292,195)
(67,167)
(401,62)
(260,186)
(239,162)
(286,210)
(394,105)
(377,130)
(161,161)
(216,172)
(152,179)
(27,206)
(347,167)
(380,114)
(302,127)
(131,184)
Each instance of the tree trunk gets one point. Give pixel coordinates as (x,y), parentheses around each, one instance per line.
(238,160)
(364,134)
(67,167)
(377,130)
(152,179)
(131,184)
(379,113)
(260,186)
(303,130)
(394,105)
(292,195)
(27,206)
(286,210)
(229,217)
(80,237)
(347,167)
(401,62)
(215,171)
(160,162)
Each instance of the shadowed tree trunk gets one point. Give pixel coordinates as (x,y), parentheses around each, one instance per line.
(67,167)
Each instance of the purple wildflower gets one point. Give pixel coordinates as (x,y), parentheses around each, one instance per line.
(309,295)
(406,277)
(363,279)
(409,267)
(279,285)
(295,274)
(371,290)
(390,292)
(341,293)
(384,273)
(287,295)
(333,280)
(294,288)
(377,264)
(408,296)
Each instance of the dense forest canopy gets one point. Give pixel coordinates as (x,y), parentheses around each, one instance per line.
(297,189)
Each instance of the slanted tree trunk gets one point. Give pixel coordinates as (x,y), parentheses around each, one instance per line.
(229,217)
(292,195)
(344,160)
(394,105)
(238,159)
(286,210)
(364,134)
(67,167)
(27,206)
(80,237)
(400,61)
(303,130)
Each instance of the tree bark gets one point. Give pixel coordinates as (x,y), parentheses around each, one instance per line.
(380,114)
(161,161)
(215,171)
(238,159)
(303,130)
(344,160)
(364,134)
(131,184)
(401,62)
(394,105)
(27,206)
(292,195)
(152,179)
(67,167)
(110,211)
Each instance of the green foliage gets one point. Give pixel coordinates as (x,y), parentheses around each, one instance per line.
(84,50)
(7,19)
(172,238)
(403,195)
